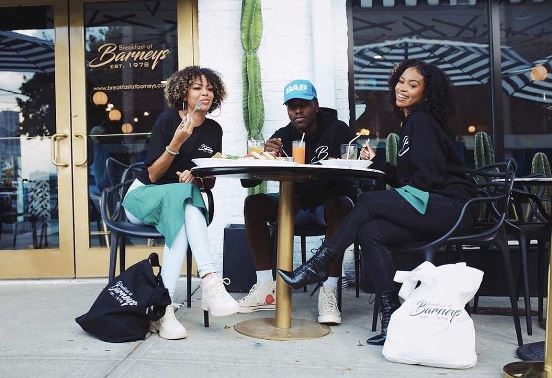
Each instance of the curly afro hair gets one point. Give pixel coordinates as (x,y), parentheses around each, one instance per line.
(438,97)
(176,88)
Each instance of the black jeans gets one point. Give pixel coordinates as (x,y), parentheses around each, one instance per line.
(382,219)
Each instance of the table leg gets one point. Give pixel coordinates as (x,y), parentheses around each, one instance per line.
(283,327)
(536,368)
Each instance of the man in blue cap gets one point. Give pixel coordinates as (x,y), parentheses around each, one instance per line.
(323,203)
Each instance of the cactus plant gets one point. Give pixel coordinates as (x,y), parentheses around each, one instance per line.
(391,144)
(483,151)
(251,31)
(541,166)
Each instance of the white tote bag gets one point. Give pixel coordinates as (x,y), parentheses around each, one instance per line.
(431,327)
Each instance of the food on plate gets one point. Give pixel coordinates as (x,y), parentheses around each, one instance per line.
(253,155)
(220,155)
(268,155)
(363,132)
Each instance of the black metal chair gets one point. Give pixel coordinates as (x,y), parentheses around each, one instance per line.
(493,195)
(120,228)
(530,221)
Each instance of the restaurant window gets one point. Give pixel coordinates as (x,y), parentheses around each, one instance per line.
(28,180)
(131,49)
(452,35)
(526,39)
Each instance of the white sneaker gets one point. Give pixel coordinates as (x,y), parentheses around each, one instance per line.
(215,298)
(328,313)
(168,326)
(262,296)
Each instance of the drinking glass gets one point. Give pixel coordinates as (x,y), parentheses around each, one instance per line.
(255,145)
(298,151)
(349,151)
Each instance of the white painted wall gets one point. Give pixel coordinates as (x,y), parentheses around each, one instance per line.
(286,53)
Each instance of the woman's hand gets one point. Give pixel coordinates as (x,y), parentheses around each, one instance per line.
(183,131)
(367,153)
(186,177)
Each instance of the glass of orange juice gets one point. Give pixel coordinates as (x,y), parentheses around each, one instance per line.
(298,151)
(255,145)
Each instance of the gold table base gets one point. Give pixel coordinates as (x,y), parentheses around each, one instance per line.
(525,369)
(264,328)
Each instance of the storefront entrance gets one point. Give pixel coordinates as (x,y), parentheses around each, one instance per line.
(80,81)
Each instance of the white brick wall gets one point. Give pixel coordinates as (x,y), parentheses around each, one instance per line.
(285,54)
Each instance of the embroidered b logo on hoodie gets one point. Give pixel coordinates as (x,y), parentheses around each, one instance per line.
(404,147)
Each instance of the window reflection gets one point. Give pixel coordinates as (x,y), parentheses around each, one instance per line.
(28,181)
(129,54)
(527,86)
(454,37)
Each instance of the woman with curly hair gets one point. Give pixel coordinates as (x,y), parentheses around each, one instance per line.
(430,188)
(167,195)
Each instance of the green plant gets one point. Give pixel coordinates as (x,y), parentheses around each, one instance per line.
(483,152)
(541,166)
(251,31)
(391,144)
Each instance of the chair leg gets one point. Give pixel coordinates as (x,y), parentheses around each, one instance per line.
(304,254)
(339,291)
(541,275)
(376,312)
(113,255)
(122,253)
(503,245)
(356,249)
(15,231)
(189,278)
(523,248)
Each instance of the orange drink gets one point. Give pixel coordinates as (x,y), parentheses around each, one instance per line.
(298,151)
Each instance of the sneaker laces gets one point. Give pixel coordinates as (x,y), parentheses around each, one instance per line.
(251,293)
(216,288)
(329,302)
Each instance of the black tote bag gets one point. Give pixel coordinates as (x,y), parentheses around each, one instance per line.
(127,304)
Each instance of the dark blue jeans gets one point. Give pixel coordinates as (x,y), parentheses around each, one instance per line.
(383,219)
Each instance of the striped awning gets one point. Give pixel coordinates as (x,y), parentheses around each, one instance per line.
(22,53)
(518,83)
(465,63)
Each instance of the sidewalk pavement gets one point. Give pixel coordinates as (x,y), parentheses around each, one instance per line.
(39,338)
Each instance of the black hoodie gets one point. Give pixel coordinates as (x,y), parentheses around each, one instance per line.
(325,142)
(427,159)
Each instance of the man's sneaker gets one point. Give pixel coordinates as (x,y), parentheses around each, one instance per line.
(328,313)
(168,326)
(215,298)
(262,296)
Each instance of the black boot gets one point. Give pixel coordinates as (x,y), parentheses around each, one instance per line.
(315,270)
(389,303)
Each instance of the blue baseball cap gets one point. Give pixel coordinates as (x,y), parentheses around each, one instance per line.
(302,89)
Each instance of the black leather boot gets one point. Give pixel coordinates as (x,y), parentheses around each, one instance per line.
(389,303)
(315,270)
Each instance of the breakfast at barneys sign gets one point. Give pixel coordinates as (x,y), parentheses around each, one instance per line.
(133,55)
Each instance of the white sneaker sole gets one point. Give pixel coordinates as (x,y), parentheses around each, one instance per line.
(248,310)
(329,319)
(155,329)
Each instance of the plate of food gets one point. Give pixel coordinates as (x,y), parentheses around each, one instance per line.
(253,159)
(344,163)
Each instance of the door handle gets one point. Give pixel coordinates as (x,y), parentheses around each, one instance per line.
(82,163)
(54,149)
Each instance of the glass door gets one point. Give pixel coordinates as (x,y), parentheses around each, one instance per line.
(36,213)
(121,54)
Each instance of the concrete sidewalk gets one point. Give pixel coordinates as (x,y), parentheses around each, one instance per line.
(39,338)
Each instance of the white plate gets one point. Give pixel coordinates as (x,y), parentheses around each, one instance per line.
(214,162)
(342,163)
